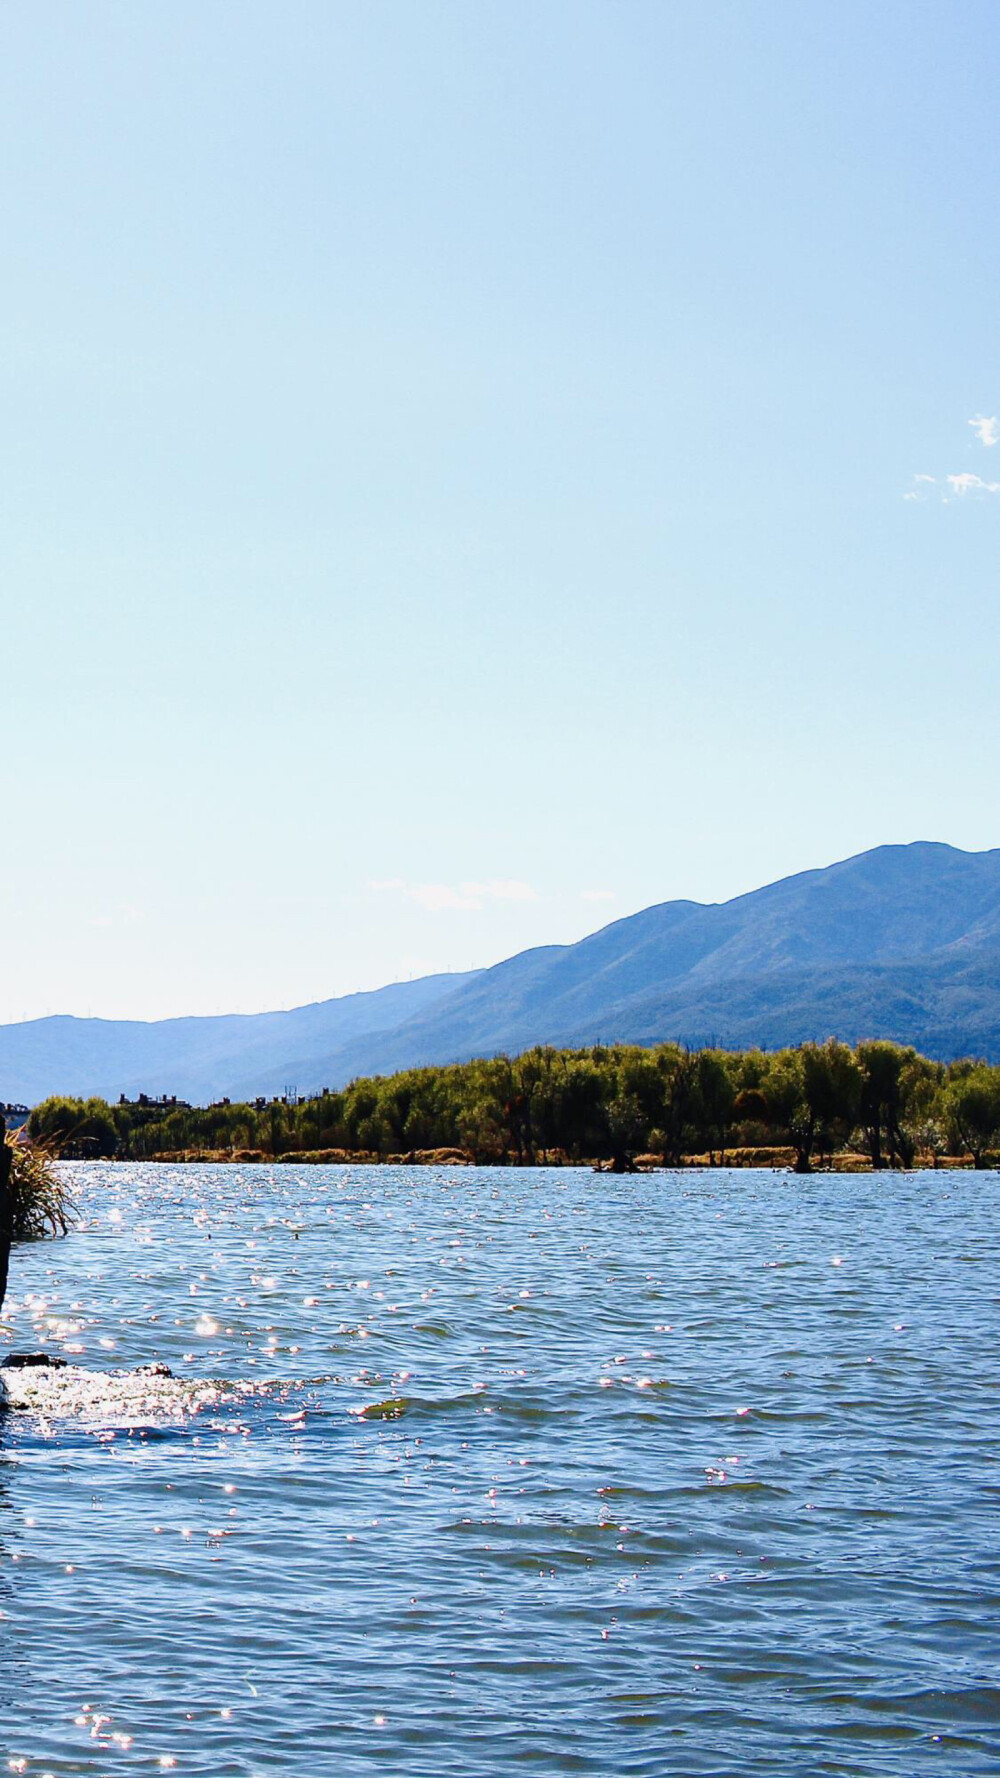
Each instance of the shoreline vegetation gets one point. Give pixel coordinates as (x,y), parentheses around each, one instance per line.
(618,1108)
(34,1200)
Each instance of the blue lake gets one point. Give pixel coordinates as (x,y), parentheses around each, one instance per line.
(538,1471)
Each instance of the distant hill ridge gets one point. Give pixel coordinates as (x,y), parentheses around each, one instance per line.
(900,942)
(198,1058)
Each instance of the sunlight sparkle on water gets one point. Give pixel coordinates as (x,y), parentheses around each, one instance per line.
(542,1515)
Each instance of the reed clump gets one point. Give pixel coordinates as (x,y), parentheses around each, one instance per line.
(40,1203)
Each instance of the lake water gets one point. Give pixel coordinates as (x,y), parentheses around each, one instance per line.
(536,1471)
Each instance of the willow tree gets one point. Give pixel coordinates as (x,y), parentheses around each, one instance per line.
(973,1106)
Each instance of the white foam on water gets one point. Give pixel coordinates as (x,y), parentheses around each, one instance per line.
(98,1399)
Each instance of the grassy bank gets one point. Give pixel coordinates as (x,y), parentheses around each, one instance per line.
(777,1159)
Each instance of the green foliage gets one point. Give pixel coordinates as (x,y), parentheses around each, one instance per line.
(605,1103)
(812,1095)
(972,1105)
(78,1129)
(886,1082)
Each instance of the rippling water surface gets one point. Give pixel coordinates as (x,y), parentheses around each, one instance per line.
(485,1471)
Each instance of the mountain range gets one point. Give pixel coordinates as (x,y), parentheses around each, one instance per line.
(900,942)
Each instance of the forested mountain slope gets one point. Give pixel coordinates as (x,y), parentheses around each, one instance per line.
(900,942)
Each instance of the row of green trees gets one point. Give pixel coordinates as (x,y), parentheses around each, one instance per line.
(606,1104)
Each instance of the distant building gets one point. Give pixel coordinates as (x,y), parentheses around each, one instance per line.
(167,1102)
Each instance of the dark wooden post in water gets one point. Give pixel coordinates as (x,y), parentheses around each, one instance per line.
(6,1209)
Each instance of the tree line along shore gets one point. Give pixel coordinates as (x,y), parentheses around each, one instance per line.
(875,1105)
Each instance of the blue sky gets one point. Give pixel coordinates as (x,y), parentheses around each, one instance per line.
(459,475)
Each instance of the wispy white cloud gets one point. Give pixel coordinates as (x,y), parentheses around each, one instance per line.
(967,483)
(437,897)
(465,897)
(503,889)
(987,430)
(598,895)
(919,491)
(121,916)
